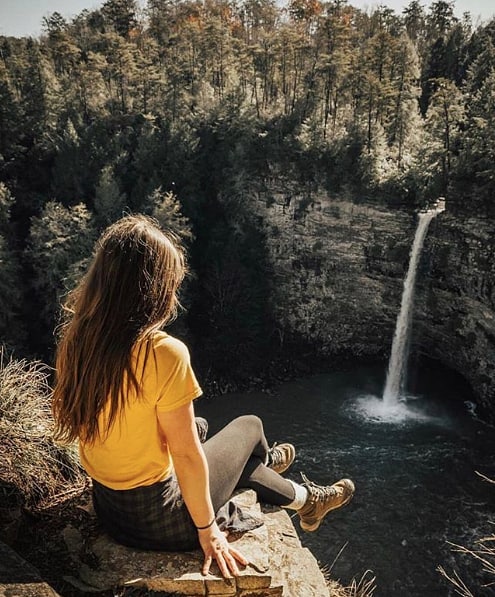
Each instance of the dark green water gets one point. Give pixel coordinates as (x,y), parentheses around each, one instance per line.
(416,486)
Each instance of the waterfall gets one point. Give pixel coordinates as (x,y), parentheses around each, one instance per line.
(399,354)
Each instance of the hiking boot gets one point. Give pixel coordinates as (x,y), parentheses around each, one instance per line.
(321,500)
(280,457)
(202,428)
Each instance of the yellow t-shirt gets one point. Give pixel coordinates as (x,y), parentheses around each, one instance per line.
(135,453)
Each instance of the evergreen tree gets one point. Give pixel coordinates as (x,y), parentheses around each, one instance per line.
(109,202)
(405,123)
(121,15)
(443,122)
(335,63)
(10,114)
(167,210)
(12,330)
(442,55)
(6,202)
(60,240)
(414,21)
(440,19)
(474,180)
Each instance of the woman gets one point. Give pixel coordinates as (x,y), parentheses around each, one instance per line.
(125,391)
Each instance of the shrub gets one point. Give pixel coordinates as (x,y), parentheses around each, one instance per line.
(31,465)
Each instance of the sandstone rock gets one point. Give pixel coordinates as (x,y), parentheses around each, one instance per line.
(278,563)
(293,566)
(118,565)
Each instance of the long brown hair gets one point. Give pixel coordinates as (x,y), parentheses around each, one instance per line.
(129,292)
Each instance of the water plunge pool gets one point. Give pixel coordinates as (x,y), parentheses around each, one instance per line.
(416,485)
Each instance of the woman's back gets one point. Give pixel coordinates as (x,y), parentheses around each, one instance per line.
(134,453)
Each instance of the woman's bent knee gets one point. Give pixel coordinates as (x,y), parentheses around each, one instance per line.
(250,422)
(247,426)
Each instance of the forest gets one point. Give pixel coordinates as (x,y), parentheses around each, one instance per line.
(185,108)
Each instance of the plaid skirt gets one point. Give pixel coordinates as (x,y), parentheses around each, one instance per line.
(149,517)
(156,517)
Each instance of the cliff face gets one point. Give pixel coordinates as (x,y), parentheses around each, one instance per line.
(338,271)
(455,316)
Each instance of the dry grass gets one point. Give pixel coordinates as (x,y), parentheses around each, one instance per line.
(484,554)
(364,587)
(31,465)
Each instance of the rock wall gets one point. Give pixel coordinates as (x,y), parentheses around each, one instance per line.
(338,270)
(455,315)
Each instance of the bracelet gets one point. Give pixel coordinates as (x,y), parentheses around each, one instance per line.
(206,526)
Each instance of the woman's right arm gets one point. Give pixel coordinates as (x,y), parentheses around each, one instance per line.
(191,468)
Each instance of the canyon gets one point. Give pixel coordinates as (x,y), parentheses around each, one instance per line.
(337,269)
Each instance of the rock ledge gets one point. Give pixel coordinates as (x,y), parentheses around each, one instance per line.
(279,565)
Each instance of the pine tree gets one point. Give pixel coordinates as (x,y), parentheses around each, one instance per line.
(405,121)
(59,243)
(6,202)
(109,202)
(167,210)
(121,14)
(414,21)
(12,330)
(10,114)
(444,121)
(474,174)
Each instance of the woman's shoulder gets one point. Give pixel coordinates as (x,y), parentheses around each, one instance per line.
(166,346)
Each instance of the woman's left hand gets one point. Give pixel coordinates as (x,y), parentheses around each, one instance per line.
(216,547)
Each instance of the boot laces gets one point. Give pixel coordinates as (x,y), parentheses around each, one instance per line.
(276,455)
(318,493)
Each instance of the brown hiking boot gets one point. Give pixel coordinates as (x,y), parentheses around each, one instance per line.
(321,500)
(280,457)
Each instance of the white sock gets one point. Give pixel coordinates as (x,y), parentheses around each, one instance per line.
(301,495)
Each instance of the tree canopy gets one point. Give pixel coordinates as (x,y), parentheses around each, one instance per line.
(185,108)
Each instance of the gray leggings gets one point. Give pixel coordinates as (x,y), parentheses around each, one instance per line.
(236,458)
(156,517)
